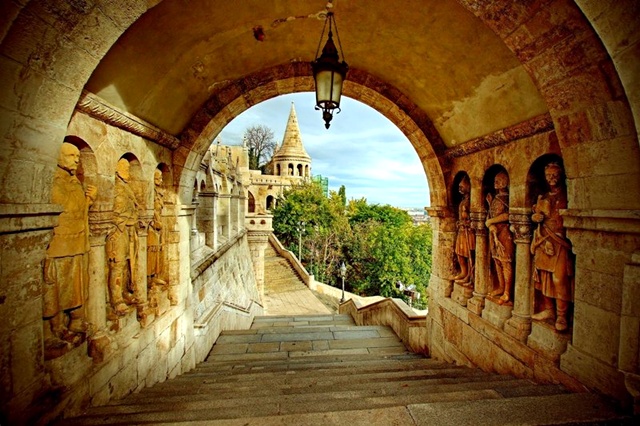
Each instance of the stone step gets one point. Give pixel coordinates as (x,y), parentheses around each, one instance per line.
(289,383)
(571,409)
(217,405)
(322,369)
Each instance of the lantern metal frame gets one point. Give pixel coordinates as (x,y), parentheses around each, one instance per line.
(329,72)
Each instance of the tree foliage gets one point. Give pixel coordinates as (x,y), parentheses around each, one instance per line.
(379,244)
(261,144)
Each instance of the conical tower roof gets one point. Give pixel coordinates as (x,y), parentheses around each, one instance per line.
(292,146)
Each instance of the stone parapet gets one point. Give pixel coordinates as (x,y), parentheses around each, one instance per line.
(405,322)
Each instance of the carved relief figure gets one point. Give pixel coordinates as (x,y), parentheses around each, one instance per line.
(66,264)
(501,243)
(122,242)
(465,239)
(155,238)
(553,265)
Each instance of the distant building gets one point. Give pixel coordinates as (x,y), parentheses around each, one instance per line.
(289,166)
(324,183)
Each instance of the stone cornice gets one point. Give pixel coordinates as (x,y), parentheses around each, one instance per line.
(540,124)
(99,109)
(619,221)
(28,217)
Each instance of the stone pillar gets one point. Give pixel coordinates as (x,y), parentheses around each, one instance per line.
(629,347)
(206,218)
(482,276)
(444,233)
(519,325)
(603,350)
(258,230)
(145,313)
(234,219)
(224,216)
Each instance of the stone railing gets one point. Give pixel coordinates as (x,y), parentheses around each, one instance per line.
(405,322)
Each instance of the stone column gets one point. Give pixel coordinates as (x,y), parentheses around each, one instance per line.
(224,215)
(629,347)
(258,230)
(482,275)
(444,233)
(145,313)
(206,218)
(519,325)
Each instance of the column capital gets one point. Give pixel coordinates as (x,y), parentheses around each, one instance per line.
(478,219)
(520,221)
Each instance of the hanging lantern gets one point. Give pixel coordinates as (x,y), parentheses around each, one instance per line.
(329,73)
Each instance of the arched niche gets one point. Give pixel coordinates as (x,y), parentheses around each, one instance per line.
(488,182)
(88,168)
(536,183)
(251,203)
(138,184)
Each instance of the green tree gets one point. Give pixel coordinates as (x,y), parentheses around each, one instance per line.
(261,144)
(342,193)
(379,244)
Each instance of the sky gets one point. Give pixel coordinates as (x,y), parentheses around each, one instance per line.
(362,149)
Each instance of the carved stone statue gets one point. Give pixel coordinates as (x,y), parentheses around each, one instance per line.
(553,264)
(155,238)
(66,274)
(501,243)
(122,242)
(465,239)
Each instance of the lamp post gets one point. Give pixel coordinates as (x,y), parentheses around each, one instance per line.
(343,272)
(300,231)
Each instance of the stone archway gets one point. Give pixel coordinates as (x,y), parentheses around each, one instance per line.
(237,96)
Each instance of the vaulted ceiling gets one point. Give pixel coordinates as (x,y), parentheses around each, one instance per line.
(444,59)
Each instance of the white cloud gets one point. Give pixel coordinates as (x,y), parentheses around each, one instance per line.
(362,149)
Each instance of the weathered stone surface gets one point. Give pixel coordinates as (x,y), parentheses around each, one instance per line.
(547,341)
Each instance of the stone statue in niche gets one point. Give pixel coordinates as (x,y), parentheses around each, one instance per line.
(552,260)
(465,239)
(155,237)
(66,265)
(501,243)
(122,242)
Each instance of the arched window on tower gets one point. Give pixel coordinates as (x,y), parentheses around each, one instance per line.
(299,169)
(277,169)
(290,170)
(270,204)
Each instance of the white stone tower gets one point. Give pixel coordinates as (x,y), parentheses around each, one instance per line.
(292,159)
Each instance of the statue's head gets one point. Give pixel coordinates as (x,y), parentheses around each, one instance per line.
(157,177)
(501,180)
(122,169)
(464,186)
(553,174)
(69,158)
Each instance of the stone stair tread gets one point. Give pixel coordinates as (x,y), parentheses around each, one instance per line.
(388,416)
(263,405)
(570,408)
(172,409)
(321,374)
(290,383)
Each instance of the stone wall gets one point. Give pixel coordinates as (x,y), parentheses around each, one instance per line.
(170,327)
(468,326)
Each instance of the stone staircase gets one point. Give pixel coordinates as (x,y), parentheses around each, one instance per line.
(324,370)
(279,274)
(284,291)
